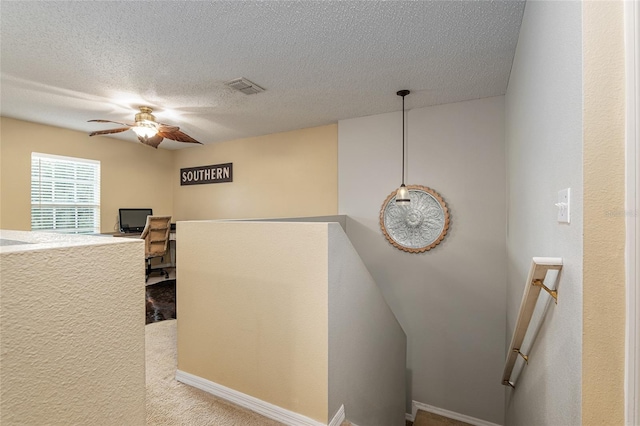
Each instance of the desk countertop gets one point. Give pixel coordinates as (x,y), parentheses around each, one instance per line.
(172,235)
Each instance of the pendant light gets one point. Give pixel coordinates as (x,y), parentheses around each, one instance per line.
(402,195)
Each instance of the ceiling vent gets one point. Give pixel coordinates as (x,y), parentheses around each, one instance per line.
(245,86)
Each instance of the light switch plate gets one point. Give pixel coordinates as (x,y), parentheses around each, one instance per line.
(564,204)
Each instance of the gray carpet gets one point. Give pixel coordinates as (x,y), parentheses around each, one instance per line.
(172,403)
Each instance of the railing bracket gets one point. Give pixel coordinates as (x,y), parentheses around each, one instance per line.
(508,383)
(525,357)
(553,293)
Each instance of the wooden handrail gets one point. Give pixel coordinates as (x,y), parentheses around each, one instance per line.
(535,282)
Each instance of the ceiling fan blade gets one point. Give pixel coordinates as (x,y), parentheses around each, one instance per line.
(178,136)
(164,131)
(115,122)
(109,131)
(167,128)
(153,141)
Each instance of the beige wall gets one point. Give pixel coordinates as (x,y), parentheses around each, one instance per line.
(72,327)
(132,174)
(280,175)
(604,227)
(254,312)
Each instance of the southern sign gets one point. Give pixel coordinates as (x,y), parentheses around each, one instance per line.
(216,173)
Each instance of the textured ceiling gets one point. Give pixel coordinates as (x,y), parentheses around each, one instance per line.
(63,63)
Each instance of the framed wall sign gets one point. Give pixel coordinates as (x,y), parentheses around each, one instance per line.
(418,226)
(216,173)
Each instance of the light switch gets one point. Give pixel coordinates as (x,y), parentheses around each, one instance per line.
(563,204)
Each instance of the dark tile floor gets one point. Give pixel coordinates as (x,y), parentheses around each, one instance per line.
(161,301)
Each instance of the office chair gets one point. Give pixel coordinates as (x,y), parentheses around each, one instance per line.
(156,241)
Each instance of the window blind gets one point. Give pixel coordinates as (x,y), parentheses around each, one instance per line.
(65,194)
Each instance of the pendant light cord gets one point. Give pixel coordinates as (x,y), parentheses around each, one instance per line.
(403,93)
(403,139)
(402,194)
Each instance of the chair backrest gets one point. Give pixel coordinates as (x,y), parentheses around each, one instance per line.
(156,235)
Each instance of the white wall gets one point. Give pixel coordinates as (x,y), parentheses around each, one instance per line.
(451,300)
(367,346)
(544,145)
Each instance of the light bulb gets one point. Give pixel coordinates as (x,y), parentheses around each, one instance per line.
(145,129)
(402,196)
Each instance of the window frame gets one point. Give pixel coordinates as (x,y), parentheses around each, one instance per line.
(65,215)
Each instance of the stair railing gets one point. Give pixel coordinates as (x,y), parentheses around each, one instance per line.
(535,282)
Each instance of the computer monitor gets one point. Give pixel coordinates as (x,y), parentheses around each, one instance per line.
(133,220)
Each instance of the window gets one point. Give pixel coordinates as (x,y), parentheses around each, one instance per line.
(65,194)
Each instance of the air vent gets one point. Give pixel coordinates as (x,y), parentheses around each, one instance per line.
(245,86)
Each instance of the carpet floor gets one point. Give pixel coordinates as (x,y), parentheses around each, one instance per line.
(171,403)
(424,418)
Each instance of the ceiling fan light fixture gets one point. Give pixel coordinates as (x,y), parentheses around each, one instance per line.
(145,129)
(146,126)
(148,130)
(145,115)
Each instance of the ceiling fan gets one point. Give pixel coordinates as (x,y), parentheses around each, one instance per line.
(148,130)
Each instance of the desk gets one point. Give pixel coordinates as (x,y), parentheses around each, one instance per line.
(172,235)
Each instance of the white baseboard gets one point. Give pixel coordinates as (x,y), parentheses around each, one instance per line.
(254,404)
(338,418)
(415,406)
